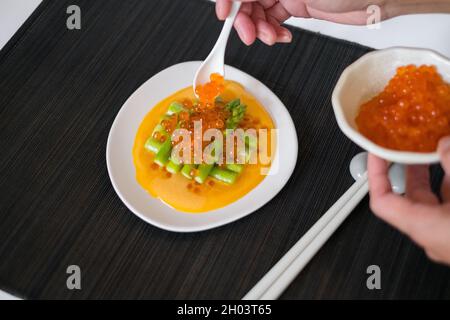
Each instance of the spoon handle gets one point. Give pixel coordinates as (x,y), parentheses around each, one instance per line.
(221,44)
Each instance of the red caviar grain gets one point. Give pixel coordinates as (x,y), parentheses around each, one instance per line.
(184,116)
(411,114)
(208,92)
(187,103)
(157,135)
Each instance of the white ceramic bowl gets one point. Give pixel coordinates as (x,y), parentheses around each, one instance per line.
(123,131)
(366,78)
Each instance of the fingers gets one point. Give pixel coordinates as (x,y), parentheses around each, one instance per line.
(264,30)
(444,155)
(445,189)
(245,28)
(412,218)
(266,4)
(223,8)
(378,176)
(268,31)
(384,203)
(275,16)
(351,17)
(433,256)
(253,21)
(284,35)
(418,187)
(258,12)
(247,8)
(279,12)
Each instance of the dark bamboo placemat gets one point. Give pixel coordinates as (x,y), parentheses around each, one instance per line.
(59,93)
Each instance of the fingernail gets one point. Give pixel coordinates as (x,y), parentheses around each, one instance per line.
(265,37)
(444,151)
(444,145)
(247,41)
(285,37)
(262,34)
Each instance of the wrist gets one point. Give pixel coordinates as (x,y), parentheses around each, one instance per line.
(394,8)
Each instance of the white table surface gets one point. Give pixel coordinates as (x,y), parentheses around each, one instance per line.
(431,31)
(426,31)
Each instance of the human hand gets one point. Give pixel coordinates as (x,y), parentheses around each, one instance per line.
(262,18)
(419,214)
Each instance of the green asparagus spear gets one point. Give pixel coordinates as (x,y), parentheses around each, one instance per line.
(175,108)
(159,128)
(237,113)
(205,168)
(246,153)
(172,167)
(162,157)
(163,150)
(175,158)
(187,170)
(238,168)
(251,141)
(203,172)
(154,145)
(226,176)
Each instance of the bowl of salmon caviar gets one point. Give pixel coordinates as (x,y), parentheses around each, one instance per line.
(395,103)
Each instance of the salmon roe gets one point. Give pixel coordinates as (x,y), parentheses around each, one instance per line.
(411,114)
(207,110)
(208,92)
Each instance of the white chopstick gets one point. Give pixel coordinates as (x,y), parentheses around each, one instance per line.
(272,285)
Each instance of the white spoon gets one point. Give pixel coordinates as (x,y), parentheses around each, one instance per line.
(215,62)
(358,167)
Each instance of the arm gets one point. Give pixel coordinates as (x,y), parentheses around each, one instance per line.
(262,19)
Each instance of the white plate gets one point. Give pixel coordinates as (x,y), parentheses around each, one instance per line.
(123,131)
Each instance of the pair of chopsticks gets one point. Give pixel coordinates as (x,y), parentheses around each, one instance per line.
(273,284)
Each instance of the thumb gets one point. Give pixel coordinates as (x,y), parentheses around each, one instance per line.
(444,153)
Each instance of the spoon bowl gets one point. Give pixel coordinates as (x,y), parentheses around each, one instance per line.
(215,62)
(358,169)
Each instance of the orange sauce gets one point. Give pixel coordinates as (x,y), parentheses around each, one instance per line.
(186,195)
(411,114)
